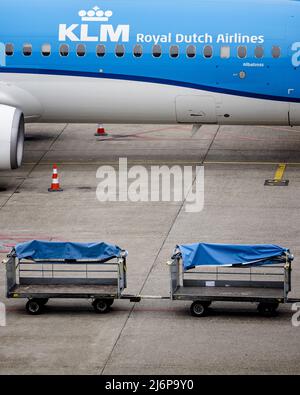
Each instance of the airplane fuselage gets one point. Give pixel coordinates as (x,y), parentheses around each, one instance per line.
(133,61)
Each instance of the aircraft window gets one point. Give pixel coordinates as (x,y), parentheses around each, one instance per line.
(156,51)
(120,50)
(259,52)
(46,49)
(81,50)
(27,49)
(100,50)
(225,52)
(64,50)
(208,51)
(191,51)
(276,52)
(242,52)
(9,49)
(138,51)
(174,51)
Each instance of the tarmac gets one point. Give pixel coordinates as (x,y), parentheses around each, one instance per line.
(154,336)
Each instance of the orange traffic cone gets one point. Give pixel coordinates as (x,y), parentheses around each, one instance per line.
(101,131)
(55,187)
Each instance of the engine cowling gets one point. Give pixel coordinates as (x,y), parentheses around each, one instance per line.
(11,137)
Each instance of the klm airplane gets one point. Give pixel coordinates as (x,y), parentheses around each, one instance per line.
(146,61)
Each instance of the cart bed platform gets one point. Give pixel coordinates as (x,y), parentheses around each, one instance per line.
(65,290)
(229,293)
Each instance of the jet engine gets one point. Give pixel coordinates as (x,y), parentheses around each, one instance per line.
(11,137)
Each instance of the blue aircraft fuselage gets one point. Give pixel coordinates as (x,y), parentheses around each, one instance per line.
(165,23)
(139,61)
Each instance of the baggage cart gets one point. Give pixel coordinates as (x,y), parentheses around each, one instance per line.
(40,271)
(202,273)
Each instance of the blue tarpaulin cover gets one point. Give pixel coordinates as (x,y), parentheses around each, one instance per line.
(202,254)
(46,250)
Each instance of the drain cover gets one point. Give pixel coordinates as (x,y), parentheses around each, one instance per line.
(277,183)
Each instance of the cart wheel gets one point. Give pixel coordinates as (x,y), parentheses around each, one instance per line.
(101,306)
(34,307)
(267,309)
(43,301)
(199,309)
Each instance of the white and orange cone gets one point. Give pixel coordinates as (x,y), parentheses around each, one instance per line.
(55,186)
(101,131)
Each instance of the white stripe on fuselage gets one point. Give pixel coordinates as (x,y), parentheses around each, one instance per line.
(90,100)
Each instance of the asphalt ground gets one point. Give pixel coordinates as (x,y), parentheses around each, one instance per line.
(154,336)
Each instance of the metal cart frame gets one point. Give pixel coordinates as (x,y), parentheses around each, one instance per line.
(104,281)
(41,280)
(267,285)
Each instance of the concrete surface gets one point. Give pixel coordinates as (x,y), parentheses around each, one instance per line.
(153,337)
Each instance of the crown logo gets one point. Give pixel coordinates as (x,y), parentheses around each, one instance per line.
(95,15)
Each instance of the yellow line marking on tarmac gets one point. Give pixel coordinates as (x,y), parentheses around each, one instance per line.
(278,177)
(280,172)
